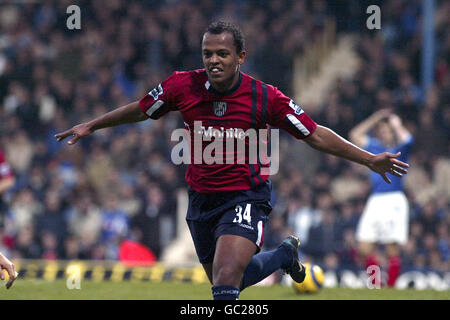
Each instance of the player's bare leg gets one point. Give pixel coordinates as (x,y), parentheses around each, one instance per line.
(366,248)
(392,250)
(236,267)
(367,254)
(233,254)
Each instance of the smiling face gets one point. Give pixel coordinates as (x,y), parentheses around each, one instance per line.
(221,60)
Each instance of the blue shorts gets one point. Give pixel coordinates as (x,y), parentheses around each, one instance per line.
(243,213)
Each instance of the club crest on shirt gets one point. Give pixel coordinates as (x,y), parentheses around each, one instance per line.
(219,108)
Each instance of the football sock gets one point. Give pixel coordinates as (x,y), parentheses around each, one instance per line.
(225,293)
(394,266)
(371,260)
(264,264)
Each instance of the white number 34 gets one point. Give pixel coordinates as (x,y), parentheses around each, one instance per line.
(243,216)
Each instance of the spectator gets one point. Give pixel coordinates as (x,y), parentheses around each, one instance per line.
(85,222)
(52,220)
(7,181)
(115,226)
(150,221)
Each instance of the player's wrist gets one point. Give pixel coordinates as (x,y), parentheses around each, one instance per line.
(368,159)
(91,126)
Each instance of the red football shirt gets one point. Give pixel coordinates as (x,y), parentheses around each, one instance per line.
(5,168)
(250,104)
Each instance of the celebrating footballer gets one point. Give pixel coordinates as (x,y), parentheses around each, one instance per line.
(229,203)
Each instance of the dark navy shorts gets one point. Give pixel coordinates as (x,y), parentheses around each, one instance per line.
(243,213)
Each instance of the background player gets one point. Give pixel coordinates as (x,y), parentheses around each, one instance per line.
(7,265)
(7,181)
(386,215)
(220,95)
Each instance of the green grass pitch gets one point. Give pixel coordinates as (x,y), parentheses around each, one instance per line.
(25,289)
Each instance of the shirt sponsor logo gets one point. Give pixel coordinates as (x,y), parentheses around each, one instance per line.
(221,133)
(226,146)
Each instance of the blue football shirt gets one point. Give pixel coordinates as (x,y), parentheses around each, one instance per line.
(376,146)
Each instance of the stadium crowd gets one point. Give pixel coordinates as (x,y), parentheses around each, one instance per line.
(80,202)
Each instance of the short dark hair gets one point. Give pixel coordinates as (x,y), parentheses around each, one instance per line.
(219,27)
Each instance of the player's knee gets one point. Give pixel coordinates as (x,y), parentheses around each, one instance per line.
(392,250)
(228,275)
(365,249)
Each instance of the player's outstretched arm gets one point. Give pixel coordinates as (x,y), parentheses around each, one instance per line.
(326,140)
(7,265)
(129,113)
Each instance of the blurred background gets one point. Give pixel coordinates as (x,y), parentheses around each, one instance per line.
(119,185)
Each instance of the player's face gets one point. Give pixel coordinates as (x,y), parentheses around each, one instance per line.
(221,60)
(385,134)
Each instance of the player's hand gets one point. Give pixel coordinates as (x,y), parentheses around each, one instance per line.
(394,120)
(7,265)
(383,113)
(386,162)
(77,132)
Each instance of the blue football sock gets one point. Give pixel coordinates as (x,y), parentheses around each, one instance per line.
(225,293)
(264,264)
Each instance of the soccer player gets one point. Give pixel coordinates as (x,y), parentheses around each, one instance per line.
(7,265)
(386,215)
(229,203)
(7,181)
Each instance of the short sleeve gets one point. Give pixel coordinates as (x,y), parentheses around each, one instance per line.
(5,168)
(161,99)
(373,145)
(285,114)
(406,146)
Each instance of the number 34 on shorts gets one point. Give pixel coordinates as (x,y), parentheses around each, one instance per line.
(252,217)
(243,213)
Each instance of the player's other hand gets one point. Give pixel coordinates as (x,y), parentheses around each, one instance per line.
(383,113)
(76,132)
(395,120)
(7,265)
(386,162)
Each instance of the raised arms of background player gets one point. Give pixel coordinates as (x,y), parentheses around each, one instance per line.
(322,139)
(360,134)
(401,133)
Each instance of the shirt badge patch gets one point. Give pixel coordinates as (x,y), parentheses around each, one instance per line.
(297,109)
(219,108)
